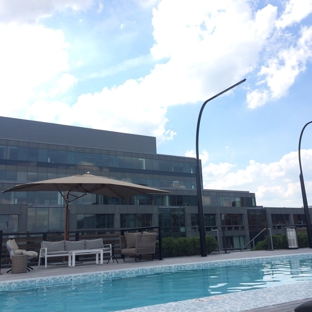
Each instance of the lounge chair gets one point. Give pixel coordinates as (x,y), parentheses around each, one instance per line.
(15,251)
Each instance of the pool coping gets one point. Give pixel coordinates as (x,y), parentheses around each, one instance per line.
(69,279)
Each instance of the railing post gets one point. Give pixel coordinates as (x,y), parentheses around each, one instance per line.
(1,235)
(272,247)
(159,244)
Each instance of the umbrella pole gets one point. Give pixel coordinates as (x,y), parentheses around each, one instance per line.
(66,216)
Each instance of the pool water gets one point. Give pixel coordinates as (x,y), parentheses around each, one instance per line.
(126,293)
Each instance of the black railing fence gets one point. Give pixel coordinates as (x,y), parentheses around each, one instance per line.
(32,240)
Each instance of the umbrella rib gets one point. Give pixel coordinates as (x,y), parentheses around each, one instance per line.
(113,191)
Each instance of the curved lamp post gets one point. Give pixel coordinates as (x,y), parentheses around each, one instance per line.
(202,232)
(303,192)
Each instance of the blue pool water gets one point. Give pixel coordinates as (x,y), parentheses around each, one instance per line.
(125,293)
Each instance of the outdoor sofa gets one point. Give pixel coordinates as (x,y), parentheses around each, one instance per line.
(71,249)
(137,244)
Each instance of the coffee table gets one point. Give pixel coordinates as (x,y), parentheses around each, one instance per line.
(73,253)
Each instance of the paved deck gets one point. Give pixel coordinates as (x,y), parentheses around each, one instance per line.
(62,269)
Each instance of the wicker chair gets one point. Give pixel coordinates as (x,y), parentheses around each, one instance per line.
(15,251)
(138,244)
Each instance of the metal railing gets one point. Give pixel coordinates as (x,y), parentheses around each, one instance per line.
(253,240)
(32,240)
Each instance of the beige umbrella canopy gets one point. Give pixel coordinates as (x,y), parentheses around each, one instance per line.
(85,184)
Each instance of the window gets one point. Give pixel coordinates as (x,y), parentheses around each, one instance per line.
(280,219)
(234,242)
(135,220)
(256,219)
(232,222)
(2,152)
(45,219)
(172,222)
(95,221)
(248,202)
(299,219)
(9,223)
(209,220)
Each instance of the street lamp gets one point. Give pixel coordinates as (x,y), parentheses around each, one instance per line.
(303,192)
(202,233)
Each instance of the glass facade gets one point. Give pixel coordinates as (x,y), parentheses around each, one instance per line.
(232,222)
(172,222)
(257,222)
(23,160)
(45,219)
(95,221)
(209,221)
(234,242)
(299,219)
(229,201)
(9,222)
(131,220)
(279,220)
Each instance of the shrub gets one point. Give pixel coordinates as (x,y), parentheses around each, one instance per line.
(168,244)
(303,241)
(190,246)
(211,244)
(279,242)
(262,245)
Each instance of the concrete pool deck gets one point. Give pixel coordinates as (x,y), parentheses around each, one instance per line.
(279,298)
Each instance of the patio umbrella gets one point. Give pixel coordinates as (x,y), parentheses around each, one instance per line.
(85,184)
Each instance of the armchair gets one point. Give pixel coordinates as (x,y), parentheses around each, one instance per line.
(15,251)
(138,244)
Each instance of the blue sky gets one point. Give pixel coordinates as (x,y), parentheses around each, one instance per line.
(146,66)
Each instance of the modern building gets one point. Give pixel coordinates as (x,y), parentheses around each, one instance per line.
(32,151)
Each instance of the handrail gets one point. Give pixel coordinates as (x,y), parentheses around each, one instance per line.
(253,240)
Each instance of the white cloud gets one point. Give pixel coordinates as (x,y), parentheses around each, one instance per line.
(146,4)
(33,61)
(209,46)
(192,69)
(295,11)
(204,156)
(280,72)
(51,111)
(32,10)
(275,184)
(100,9)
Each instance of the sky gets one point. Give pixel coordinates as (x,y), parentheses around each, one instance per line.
(147,66)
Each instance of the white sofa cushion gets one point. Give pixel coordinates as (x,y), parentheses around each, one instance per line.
(53,246)
(79,245)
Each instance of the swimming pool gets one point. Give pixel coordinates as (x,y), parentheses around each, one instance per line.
(117,290)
